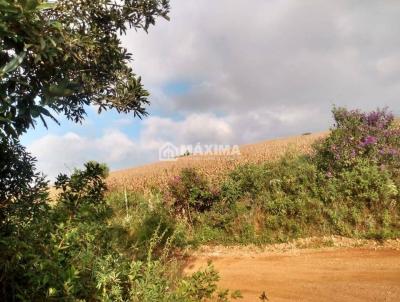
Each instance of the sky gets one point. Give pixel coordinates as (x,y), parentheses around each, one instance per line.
(235,72)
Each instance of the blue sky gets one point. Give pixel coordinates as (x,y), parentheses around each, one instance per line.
(95,123)
(221,73)
(96,126)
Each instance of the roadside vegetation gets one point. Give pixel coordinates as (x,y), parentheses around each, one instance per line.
(348,186)
(75,250)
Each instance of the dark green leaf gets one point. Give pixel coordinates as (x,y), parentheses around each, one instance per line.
(46,5)
(13,64)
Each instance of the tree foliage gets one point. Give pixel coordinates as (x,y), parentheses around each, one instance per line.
(83,186)
(61,56)
(23,190)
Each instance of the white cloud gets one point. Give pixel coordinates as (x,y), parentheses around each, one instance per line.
(389,67)
(194,128)
(61,153)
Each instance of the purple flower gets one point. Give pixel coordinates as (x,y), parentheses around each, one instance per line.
(389,151)
(369,140)
(380,118)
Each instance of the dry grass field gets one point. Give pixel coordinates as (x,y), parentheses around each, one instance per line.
(158,174)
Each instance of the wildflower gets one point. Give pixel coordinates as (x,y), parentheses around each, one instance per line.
(369,140)
(392,151)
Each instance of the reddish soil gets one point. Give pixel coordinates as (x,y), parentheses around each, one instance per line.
(324,274)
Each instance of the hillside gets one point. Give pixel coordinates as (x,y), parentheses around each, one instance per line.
(157,174)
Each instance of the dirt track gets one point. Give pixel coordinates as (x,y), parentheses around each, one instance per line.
(326,274)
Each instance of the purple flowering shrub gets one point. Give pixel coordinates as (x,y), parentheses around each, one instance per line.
(191,191)
(359,136)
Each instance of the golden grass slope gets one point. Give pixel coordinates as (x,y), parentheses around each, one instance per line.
(158,174)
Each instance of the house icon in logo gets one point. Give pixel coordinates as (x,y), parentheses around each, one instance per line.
(168,152)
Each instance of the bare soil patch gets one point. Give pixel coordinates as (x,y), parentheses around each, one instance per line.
(349,270)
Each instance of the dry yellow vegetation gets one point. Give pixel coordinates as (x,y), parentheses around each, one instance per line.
(214,166)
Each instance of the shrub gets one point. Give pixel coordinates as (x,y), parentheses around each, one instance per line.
(190,192)
(292,175)
(137,218)
(357,135)
(264,203)
(365,184)
(247,179)
(83,186)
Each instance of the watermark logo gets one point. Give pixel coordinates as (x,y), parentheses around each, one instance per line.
(171,152)
(168,152)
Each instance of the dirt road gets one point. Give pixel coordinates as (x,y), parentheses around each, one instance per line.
(325,274)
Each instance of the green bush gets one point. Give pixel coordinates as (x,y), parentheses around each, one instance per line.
(264,203)
(76,252)
(136,219)
(365,184)
(190,192)
(83,186)
(245,180)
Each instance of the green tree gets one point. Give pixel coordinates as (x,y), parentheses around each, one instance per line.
(58,57)
(23,190)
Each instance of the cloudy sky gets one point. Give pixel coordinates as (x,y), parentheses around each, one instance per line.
(240,71)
